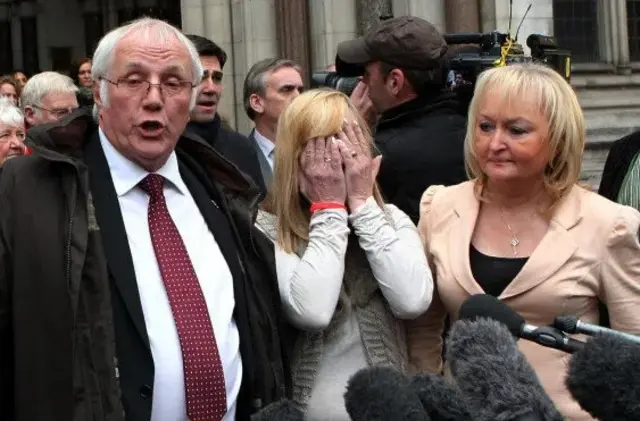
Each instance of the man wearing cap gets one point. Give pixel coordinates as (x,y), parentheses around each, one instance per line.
(421,128)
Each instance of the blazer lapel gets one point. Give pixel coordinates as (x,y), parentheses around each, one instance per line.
(265,168)
(114,234)
(466,210)
(556,247)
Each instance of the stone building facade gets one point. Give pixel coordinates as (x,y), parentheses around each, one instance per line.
(603,35)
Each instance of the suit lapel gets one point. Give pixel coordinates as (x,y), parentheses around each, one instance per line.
(114,234)
(265,168)
(466,211)
(556,247)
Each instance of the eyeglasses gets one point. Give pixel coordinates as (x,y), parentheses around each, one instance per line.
(215,75)
(143,87)
(57,112)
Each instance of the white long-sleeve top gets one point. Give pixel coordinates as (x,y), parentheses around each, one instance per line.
(310,286)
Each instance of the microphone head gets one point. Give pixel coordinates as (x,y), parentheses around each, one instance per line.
(382,394)
(604,377)
(488,306)
(496,380)
(440,398)
(282,410)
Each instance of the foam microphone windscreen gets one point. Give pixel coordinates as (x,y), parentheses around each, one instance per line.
(440,397)
(382,394)
(283,410)
(497,382)
(488,306)
(604,377)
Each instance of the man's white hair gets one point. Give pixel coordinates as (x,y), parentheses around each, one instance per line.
(144,29)
(10,114)
(43,84)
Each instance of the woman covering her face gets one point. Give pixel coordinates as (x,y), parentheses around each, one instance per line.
(350,267)
(523,230)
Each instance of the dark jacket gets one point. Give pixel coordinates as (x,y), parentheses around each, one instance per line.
(618,163)
(73,343)
(233,146)
(421,142)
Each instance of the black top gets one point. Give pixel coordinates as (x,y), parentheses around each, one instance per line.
(493,274)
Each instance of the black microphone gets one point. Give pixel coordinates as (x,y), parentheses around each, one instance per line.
(604,377)
(441,398)
(496,381)
(571,324)
(283,410)
(382,394)
(483,305)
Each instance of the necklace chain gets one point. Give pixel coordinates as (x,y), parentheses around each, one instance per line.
(515,241)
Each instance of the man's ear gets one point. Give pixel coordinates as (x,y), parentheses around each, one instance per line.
(95,89)
(29,116)
(257,103)
(396,81)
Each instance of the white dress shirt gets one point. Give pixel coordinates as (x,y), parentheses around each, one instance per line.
(266,146)
(169,403)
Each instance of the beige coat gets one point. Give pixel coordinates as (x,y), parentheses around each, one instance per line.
(590,251)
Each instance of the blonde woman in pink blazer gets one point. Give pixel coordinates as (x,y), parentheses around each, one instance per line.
(522,229)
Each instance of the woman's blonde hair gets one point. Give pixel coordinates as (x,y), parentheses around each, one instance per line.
(559,104)
(315,113)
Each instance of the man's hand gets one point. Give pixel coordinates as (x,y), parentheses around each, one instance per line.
(360,99)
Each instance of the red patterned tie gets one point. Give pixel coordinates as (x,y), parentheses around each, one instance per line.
(203,374)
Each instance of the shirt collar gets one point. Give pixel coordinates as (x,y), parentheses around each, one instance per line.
(265,144)
(126,174)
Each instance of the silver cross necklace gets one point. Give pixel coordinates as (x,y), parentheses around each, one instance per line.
(514,239)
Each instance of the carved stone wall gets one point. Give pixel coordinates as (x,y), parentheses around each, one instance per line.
(292,23)
(368,13)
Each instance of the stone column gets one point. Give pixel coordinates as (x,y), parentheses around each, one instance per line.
(613,36)
(292,22)
(368,13)
(254,37)
(331,22)
(192,12)
(462,16)
(430,10)
(487,15)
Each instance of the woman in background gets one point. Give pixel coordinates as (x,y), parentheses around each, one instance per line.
(523,230)
(80,72)
(10,89)
(350,267)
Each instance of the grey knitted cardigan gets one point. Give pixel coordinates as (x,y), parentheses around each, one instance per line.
(383,335)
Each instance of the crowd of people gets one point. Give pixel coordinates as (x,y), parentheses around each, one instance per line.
(156,265)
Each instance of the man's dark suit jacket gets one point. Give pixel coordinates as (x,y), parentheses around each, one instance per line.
(73,342)
(233,146)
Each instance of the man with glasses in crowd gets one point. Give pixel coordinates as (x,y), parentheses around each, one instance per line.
(133,284)
(47,97)
(206,121)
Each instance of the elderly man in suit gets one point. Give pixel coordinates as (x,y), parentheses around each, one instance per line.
(133,285)
(269,87)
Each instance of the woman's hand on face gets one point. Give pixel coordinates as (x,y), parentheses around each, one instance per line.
(321,175)
(360,168)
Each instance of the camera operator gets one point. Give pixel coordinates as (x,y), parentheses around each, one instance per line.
(421,128)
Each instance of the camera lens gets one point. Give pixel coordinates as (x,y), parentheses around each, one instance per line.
(346,85)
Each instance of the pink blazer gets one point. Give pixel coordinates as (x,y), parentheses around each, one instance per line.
(590,251)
